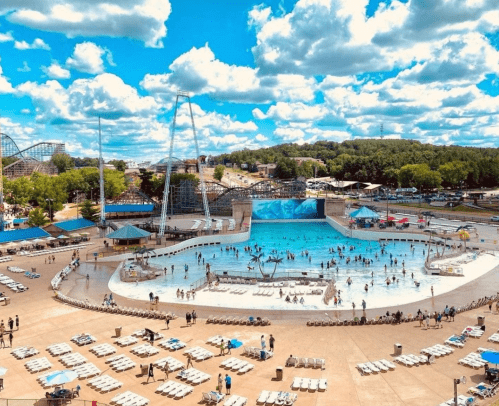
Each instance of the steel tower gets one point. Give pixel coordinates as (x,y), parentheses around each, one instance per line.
(169,169)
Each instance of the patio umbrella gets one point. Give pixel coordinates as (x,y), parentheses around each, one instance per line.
(491,356)
(74,235)
(36,240)
(3,371)
(84,234)
(382,221)
(404,220)
(50,238)
(24,242)
(390,218)
(11,245)
(62,237)
(421,221)
(61,377)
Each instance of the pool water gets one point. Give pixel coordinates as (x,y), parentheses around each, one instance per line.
(279,239)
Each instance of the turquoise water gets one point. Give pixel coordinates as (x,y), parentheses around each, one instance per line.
(279,239)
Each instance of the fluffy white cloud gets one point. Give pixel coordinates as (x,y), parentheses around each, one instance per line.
(105,95)
(335,37)
(38,43)
(55,71)
(198,71)
(87,57)
(143,20)
(6,37)
(261,138)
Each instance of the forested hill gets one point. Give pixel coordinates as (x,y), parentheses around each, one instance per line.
(388,162)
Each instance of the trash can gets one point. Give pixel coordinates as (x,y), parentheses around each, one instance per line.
(144,369)
(481,320)
(279,373)
(117,330)
(397,349)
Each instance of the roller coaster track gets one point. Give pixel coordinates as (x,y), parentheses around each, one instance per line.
(39,151)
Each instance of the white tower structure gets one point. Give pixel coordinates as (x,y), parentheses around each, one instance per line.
(169,169)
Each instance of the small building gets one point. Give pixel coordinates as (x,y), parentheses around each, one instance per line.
(300,159)
(68,226)
(129,235)
(267,169)
(128,210)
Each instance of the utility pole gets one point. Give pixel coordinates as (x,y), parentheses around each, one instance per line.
(2,207)
(102,197)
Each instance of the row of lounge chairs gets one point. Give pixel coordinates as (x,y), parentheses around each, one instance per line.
(15,269)
(129,399)
(494,338)
(483,390)
(375,367)
(144,350)
(263,292)
(199,353)
(410,360)
(437,350)
(87,370)
(174,389)
(56,350)
(457,340)
(83,339)
(212,397)
(473,360)
(236,364)
(8,258)
(24,352)
(12,284)
(236,320)
(306,362)
(173,364)
(257,353)
(236,400)
(278,398)
(461,401)
(38,365)
(151,314)
(232,225)
(103,350)
(126,341)
(193,376)
(217,340)
(172,344)
(473,331)
(72,360)
(104,383)
(309,384)
(120,363)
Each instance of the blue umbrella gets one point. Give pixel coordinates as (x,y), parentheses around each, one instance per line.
(61,377)
(491,356)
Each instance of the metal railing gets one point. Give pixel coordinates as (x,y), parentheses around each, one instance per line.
(279,276)
(50,402)
(200,283)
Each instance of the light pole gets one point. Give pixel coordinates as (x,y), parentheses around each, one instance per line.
(76,192)
(456,382)
(50,208)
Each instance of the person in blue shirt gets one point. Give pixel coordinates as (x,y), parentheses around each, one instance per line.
(228,383)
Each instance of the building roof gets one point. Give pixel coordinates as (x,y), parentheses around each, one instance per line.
(22,234)
(128,232)
(372,186)
(129,208)
(75,224)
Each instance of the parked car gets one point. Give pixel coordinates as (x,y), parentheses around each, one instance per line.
(494,218)
(376,199)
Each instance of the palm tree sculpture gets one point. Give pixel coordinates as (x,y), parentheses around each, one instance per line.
(276,261)
(256,259)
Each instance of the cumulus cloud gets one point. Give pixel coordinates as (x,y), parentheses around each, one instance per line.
(87,57)
(5,86)
(38,43)
(199,71)
(143,20)
(6,37)
(105,95)
(55,71)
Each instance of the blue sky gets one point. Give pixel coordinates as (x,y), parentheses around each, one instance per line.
(259,73)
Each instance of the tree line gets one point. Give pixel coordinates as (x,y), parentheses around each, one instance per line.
(404,163)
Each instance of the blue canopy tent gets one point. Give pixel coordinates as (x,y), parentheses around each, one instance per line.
(364,213)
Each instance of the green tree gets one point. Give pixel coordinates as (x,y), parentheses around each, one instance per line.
(219,172)
(18,191)
(114,183)
(63,162)
(120,165)
(89,212)
(49,192)
(36,218)
(286,168)
(455,172)
(420,176)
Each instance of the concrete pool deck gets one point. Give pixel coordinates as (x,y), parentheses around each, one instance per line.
(45,321)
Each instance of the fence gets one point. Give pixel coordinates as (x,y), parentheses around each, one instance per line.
(50,402)
(200,283)
(279,276)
